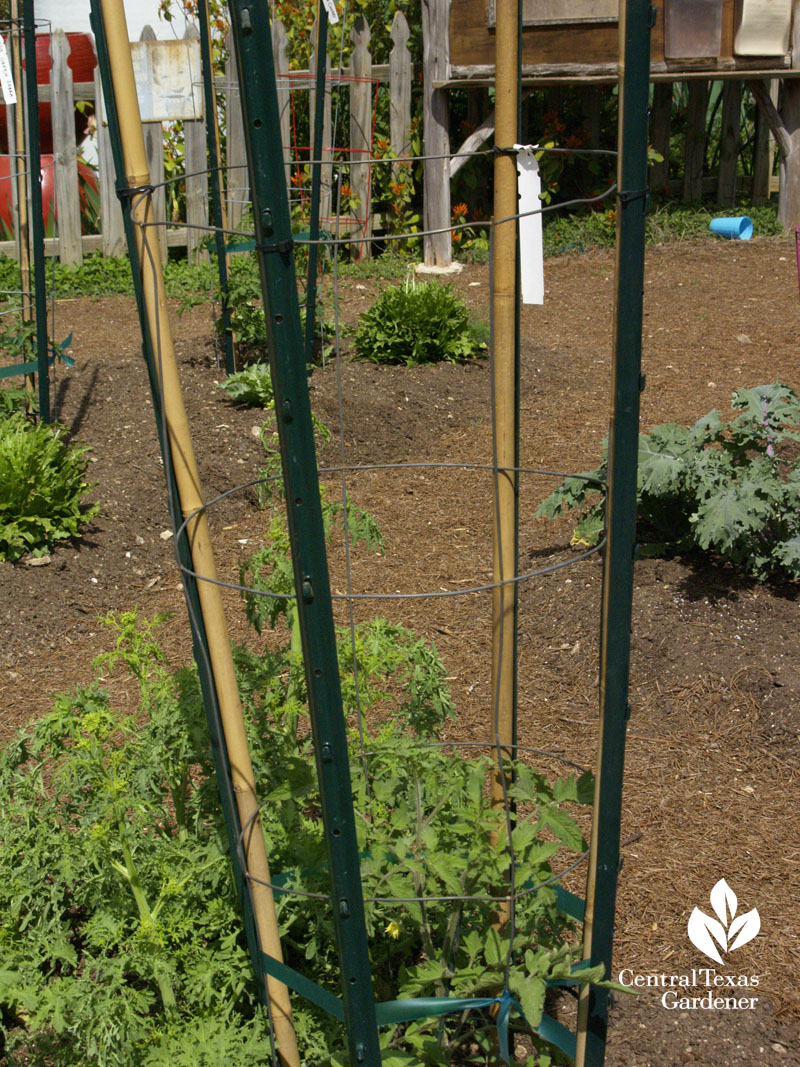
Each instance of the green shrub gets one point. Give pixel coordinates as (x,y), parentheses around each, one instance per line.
(417,323)
(41,487)
(730,489)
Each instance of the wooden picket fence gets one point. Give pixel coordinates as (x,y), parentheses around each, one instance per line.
(296,95)
(356,86)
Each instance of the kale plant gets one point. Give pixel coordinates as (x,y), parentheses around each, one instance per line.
(729,489)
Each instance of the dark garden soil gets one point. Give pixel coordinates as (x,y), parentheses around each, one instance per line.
(714,737)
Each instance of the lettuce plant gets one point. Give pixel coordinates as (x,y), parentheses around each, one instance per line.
(41,487)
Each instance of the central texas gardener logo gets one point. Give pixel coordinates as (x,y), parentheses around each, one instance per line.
(727,932)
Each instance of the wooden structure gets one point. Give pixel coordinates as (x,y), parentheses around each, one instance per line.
(188,229)
(578,40)
(753,43)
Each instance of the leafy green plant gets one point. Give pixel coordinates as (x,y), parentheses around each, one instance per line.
(730,489)
(417,323)
(13,399)
(118,923)
(41,487)
(119,929)
(251,386)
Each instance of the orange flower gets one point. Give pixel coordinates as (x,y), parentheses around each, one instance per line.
(459,211)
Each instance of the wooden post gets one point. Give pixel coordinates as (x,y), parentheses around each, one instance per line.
(196,162)
(361,134)
(65,152)
(764,148)
(179,442)
(327,154)
(280,57)
(729,143)
(660,124)
(399,89)
(789,195)
(504,375)
(438,247)
(154,145)
(591,99)
(695,149)
(112,228)
(786,131)
(237,185)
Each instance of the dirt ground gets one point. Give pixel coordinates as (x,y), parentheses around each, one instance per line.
(712,755)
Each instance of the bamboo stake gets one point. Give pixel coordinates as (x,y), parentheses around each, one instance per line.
(504,262)
(189,491)
(23,228)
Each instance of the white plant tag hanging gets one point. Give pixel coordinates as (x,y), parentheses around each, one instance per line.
(6,77)
(333,14)
(529,187)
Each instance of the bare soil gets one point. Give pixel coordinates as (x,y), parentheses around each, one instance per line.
(712,756)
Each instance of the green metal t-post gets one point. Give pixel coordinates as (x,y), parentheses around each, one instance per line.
(253,47)
(636,18)
(36,221)
(316,180)
(212,150)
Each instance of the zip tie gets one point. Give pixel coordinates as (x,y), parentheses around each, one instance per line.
(625,196)
(135,190)
(283,247)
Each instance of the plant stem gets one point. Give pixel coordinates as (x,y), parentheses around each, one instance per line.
(145,915)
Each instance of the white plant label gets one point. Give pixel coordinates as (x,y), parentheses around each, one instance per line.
(6,77)
(529,187)
(333,14)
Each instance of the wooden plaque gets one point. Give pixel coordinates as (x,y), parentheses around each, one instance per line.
(561,12)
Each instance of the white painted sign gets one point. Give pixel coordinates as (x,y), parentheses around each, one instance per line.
(72,16)
(763,28)
(6,77)
(169,80)
(531,252)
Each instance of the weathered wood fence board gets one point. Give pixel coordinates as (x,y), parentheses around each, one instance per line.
(361,128)
(154,147)
(65,151)
(238,190)
(326,190)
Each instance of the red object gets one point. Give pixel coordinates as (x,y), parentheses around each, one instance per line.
(49,211)
(81,61)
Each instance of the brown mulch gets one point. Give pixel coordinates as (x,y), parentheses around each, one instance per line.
(712,755)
